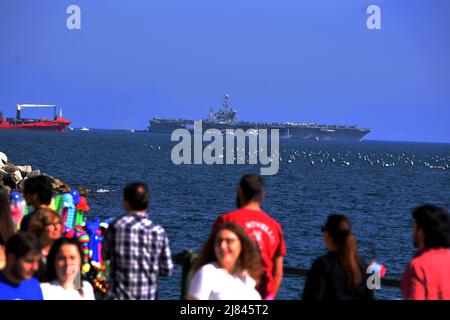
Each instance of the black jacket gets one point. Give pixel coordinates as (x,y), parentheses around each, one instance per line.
(327,281)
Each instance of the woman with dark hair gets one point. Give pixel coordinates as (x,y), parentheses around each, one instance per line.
(7,227)
(228,267)
(65,281)
(341,273)
(427,275)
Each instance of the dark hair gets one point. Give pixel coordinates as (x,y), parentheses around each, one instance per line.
(252,187)
(7,226)
(21,244)
(249,259)
(136,194)
(51,258)
(435,223)
(339,228)
(40,186)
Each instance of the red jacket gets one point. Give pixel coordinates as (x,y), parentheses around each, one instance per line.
(427,277)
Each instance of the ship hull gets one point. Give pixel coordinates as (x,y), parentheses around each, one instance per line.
(304,132)
(57,125)
(328,134)
(166,127)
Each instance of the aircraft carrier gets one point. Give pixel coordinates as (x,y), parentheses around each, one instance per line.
(225,119)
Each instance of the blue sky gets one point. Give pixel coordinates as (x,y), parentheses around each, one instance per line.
(289,60)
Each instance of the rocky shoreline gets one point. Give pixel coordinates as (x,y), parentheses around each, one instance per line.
(12,177)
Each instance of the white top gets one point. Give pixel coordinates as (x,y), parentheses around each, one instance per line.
(54,291)
(213,283)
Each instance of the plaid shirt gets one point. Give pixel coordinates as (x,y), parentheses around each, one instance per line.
(139,252)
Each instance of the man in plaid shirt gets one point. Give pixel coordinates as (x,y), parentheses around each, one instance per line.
(137,248)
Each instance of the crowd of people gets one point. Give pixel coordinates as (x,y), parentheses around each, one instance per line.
(49,254)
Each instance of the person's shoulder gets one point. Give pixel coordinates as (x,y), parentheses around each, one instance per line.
(127,221)
(49,290)
(325,260)
(421,257)
(87,286)
(155,231)
(210,267)
(118,221)
(275,222)
(49,285)
(88,290)
(209,272)
(46,285)
(241,214)
(271,219)
(429,256)
(153,227)
(226,216)
(33,282)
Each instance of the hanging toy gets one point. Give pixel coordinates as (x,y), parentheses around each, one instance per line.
(100,284)
(374,266)
(18,208)
(58,203)
(100,281)
(377,268)
(68,211)
(75,196)
(84,238)
(95,244)
(52,205)
(81,207)
(79,218)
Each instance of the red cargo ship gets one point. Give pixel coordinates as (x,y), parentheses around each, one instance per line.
(17,123)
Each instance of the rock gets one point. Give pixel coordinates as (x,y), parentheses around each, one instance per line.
(56,183)
(17,177)
(64,188)
(24,170)
(34,173)
(22,184)
(3,158)
(13,177)
(9,167)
